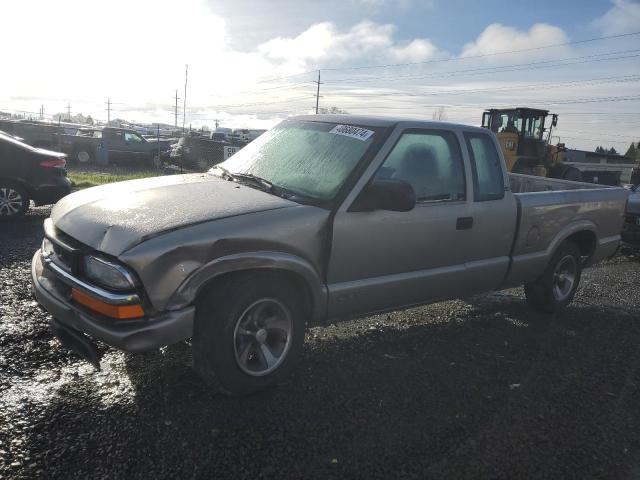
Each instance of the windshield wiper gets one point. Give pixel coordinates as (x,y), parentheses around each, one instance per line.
(255,181)
(226,174)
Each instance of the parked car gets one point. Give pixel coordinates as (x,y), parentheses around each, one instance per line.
(28,173)
(200,153)
(631,230)
(38,133)
(117,145)
(322,218)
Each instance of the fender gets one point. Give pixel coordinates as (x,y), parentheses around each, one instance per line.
(188,291)
(567,231)
(528,266)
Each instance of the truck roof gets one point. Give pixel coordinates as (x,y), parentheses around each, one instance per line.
(384,121)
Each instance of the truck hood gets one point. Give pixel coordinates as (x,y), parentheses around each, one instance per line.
(113,218)
(634,203)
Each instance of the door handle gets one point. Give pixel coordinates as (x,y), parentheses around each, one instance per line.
(464,223)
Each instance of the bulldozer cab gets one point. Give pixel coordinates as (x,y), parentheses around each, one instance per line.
(520,132)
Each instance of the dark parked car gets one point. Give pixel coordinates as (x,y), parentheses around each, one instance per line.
(117,144)
(631,229)
(28,173)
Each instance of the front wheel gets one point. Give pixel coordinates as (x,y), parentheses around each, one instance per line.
(248,333)
(556,287)
(14,200)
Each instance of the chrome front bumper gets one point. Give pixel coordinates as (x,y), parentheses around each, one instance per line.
(51,287)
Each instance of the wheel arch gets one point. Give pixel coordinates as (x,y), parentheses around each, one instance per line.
(23,183)
(582,233)
(295,269)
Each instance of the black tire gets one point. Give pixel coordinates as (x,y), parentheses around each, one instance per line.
(14,200)
(83,155)
(556,287)
(573,174)
(225,310)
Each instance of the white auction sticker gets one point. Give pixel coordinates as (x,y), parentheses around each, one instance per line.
(353,132)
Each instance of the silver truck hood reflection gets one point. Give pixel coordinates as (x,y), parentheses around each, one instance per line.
(113,218)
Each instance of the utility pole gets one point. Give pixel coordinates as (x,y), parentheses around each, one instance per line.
(68,112)
(176,110)
(217,123)
(108,111)
(41,112)
(318,93)
(184,104)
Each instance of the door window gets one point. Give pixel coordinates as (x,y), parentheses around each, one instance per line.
(488,177)
(132,137)
(431,162)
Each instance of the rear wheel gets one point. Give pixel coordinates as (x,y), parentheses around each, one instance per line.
(573,174)
(557,286)
(248,333)
(14,200)
(83,155)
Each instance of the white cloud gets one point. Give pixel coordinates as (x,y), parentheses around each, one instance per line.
(416,51)
(324,44)
(623,17)
(500,38)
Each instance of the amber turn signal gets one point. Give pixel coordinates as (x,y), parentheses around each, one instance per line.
(114,311)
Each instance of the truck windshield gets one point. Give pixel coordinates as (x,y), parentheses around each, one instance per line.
(310,159)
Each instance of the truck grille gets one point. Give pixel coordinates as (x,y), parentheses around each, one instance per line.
(66,251)
(63,258)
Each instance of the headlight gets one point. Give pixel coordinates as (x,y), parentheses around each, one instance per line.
(108,274)
(47,247)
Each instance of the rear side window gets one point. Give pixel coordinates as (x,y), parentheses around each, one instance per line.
(431,162)
(488,177)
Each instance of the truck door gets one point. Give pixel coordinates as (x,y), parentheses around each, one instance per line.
(382,259)
(113,141)
(493,212)
(136,147)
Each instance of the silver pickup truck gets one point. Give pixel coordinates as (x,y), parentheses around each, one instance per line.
(322,218)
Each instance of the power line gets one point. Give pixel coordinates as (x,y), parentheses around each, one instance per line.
(476,106)
(587,82)
(425,62)
(390,65)
(275,79)
(605,134)
(503,68)
(260,90)
(594,139)
(284,100)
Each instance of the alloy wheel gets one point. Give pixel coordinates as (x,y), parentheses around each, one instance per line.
(564,277)
(10,201)
(262,337)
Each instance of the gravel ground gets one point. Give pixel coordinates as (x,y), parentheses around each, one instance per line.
(480,388)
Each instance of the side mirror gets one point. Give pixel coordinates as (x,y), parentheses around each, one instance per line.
(554,120)
(385,194)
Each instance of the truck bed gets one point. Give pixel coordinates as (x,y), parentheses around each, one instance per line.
(550,210)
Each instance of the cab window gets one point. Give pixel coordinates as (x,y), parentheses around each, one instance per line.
(488,177)
(132,137)
(431,162)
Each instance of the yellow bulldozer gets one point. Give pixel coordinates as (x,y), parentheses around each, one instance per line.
(525,139)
